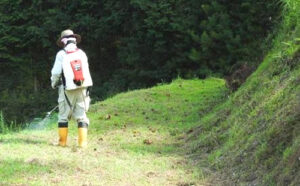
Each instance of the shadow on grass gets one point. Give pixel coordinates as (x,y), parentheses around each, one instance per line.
(22,141)
(161,149)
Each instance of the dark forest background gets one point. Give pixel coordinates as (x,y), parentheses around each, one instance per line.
(130,44)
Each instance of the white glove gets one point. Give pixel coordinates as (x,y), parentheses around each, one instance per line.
(55,79)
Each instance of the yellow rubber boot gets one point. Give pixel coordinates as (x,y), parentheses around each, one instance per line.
(82,137)
(63,134)
(82,134)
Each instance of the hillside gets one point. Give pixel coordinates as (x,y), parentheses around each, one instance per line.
(254,137)
(135,139)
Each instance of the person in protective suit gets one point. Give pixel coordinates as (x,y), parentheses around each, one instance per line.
(71,75)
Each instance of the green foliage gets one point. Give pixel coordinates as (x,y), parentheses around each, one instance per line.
(227,32)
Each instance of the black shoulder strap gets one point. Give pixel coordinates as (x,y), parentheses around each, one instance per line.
(68,101)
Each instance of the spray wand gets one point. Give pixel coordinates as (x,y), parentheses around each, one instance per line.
(50,112)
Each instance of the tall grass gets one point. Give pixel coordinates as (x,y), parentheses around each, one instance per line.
(291,18)
(287,41)
(3,127)
(291,12)
(8,127)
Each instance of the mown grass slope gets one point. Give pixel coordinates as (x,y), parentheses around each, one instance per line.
(254,137)
(135,138)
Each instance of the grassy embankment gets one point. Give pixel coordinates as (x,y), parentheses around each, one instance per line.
(254,137)
(134,140)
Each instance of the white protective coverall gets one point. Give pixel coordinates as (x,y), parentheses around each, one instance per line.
(73,100)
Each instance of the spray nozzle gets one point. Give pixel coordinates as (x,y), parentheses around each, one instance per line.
(50,112)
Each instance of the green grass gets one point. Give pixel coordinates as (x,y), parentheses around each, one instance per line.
(117,154)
